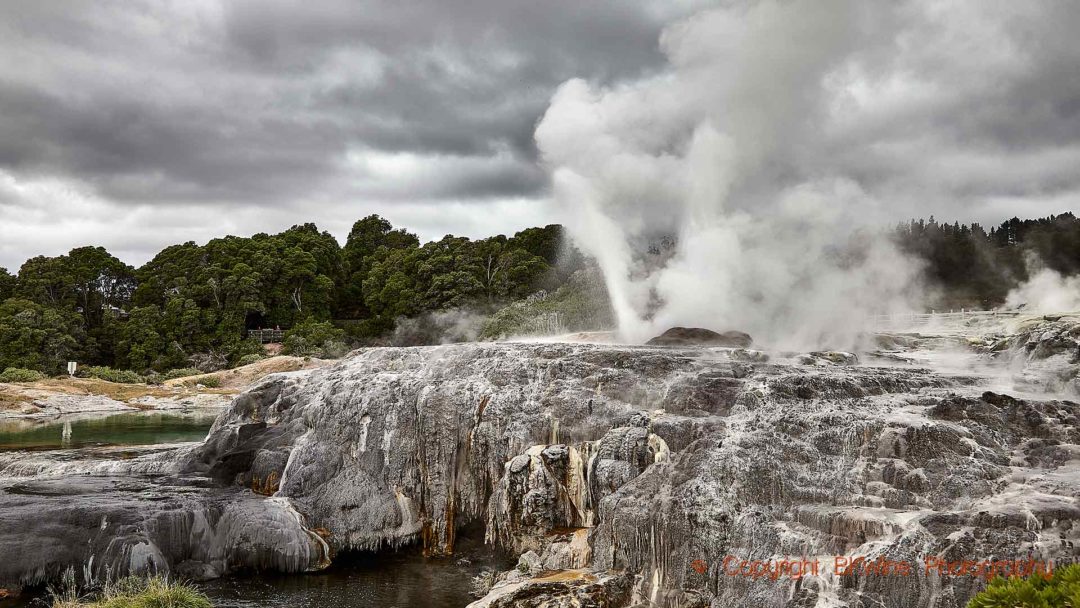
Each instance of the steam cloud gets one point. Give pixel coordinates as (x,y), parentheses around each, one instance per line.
(721,150)
(1046,291)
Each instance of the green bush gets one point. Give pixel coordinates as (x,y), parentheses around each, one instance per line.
(315,339)
(249,359)
(1062,590)
(364,330)
(181,372)
(138,592)
(208,381)
(121,376)
(244,349)
(20,374)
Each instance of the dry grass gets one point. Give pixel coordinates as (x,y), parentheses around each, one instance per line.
(237,379)
(18,396)
(230,382)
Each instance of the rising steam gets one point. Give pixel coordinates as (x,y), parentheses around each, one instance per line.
(719,151)
(1046,291)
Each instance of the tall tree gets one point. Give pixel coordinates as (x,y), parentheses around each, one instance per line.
(543,242)
(7,284)
(102,284)
(47,281)
(38,337)
(366,238)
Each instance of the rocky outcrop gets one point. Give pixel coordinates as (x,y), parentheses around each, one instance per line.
(1045,356)
(696,336)
(114,525)
(564,589)
(633,475)
(398,445)
(674,461)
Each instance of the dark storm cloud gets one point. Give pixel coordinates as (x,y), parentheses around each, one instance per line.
(137,116)
(137,123)
(258,100)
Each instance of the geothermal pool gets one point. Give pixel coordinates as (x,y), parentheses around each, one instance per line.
(404,579)
(128,429)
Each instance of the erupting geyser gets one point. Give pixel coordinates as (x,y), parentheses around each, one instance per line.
(723,151)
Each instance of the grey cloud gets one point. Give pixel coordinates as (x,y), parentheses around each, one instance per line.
(259,100)
(309,109)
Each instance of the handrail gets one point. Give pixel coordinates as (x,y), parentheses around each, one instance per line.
(267,336)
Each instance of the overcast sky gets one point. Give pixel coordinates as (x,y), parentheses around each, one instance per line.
(135,124)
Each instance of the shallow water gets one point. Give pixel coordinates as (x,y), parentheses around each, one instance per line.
(392,580)
(115,430)
(403,579)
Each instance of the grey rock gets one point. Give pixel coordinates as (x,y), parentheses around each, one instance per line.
(664,462)
(697,336)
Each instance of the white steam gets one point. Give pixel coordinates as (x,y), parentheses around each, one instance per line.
(438,327)
(1047,291)
(719,151)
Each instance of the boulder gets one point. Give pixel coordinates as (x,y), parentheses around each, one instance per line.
(697,336)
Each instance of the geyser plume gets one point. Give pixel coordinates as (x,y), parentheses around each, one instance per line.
(721,152)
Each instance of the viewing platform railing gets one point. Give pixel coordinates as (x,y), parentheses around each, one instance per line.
(914,319)
(267,336)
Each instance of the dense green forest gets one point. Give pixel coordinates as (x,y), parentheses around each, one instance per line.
(973,268)
(192,305)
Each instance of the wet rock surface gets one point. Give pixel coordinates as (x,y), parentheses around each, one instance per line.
(631,474)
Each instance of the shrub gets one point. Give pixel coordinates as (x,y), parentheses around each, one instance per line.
(208,381)
(181,372)
(246,348)
(1062,590)
(249,359)
(315,339)
(364,330)
(334,349)
(20,374)
(138,592)
(121,376)
(210,361)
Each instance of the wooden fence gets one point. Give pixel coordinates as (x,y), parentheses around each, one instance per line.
(267,336)
(934,317)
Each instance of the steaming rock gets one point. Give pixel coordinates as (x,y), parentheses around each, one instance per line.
(745,354)
(830,357)
(645,466)
(696,336)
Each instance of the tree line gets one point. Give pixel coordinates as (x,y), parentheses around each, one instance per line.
(191,305)
(971,267)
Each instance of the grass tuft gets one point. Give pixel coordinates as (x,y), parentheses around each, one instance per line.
(136,592)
